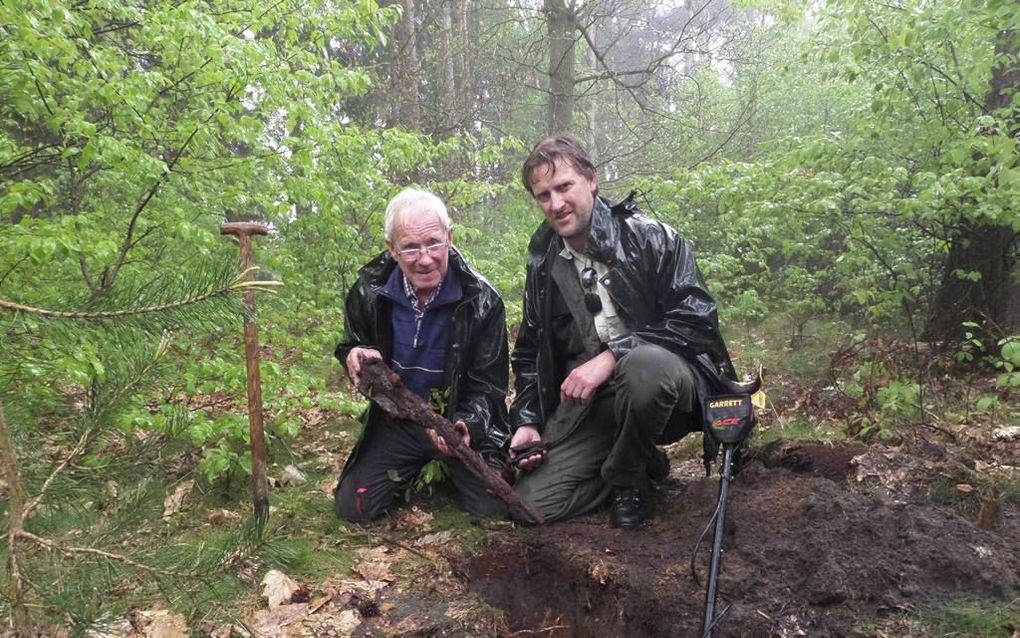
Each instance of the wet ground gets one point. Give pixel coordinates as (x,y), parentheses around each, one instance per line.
(821,540)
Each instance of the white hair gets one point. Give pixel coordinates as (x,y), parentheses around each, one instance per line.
(413,201)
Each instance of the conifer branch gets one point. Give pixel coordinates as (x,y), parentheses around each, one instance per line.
(83,442)
(68,550)
(235,286)
(86,436)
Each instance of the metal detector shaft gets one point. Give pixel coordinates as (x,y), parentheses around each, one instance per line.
(708,626)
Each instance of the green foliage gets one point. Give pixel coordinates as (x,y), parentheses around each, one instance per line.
(823,176)
(431,474)
(979,350)
(963,617)
(1009,362)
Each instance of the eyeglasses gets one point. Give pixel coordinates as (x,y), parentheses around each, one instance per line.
(417,252)
(591,296)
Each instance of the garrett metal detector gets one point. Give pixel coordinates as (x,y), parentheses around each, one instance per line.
(729,418)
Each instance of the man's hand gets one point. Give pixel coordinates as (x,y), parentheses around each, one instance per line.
(440,443)
(584,380)
(355,358)
(526,437)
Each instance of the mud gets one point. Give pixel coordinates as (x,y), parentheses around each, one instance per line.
(809,550)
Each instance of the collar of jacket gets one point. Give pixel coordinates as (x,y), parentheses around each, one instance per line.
(450,292)
(377,272)
(603,235)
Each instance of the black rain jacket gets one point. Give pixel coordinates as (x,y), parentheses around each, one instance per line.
(658,292)
(477,368)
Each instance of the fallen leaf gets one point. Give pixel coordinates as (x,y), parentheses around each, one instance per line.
(172,504)
(224,631)
(438,538)
(279,589)
(292,476)
(279,622)
(221,516)
(336,587)
(326,486)
(119,629)
(346,621)
(163,623)
(374,564)
(964,488)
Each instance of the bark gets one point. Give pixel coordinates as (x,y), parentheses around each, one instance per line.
(461,67)
(405,68)
(382,385)
(561,24)
(990,250)
(447,98)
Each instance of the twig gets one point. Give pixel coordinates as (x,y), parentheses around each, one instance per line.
(543,630)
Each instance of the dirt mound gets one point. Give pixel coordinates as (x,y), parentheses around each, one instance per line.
(803,553)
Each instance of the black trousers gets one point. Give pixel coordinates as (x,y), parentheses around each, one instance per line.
(387,458)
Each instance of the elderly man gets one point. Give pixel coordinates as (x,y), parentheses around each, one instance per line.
(442,327)
(618,341)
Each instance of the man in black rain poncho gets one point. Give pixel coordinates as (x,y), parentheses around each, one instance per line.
(618,343)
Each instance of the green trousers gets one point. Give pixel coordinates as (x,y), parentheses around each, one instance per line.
(608,442)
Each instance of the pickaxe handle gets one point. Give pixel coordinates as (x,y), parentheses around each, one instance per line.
(260,484)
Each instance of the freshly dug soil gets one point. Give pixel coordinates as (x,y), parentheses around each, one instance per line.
(810,549)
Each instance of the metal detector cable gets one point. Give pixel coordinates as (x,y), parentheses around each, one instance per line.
(694,558)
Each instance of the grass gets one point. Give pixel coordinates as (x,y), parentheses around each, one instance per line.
(972,618)
(796,428)
(205,564)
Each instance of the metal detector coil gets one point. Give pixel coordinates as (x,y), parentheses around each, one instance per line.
(730,417)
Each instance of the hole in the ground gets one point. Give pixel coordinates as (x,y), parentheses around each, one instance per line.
(832,462)
(548,593)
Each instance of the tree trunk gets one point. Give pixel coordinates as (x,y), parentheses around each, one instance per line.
(464,102)
(446,100)
(561,23)
(994,299)
(405,69)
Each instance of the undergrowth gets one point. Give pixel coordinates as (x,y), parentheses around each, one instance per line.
(972,618)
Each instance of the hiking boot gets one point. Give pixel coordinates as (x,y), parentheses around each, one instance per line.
(658,467)
(627,510)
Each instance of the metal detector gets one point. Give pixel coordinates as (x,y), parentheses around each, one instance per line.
(729,419)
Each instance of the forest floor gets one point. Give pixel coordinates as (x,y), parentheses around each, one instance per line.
(914,531)
(823,538)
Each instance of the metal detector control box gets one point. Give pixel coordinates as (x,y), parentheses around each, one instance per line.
(730,417)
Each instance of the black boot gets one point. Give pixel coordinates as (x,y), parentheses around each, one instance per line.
(627,510)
